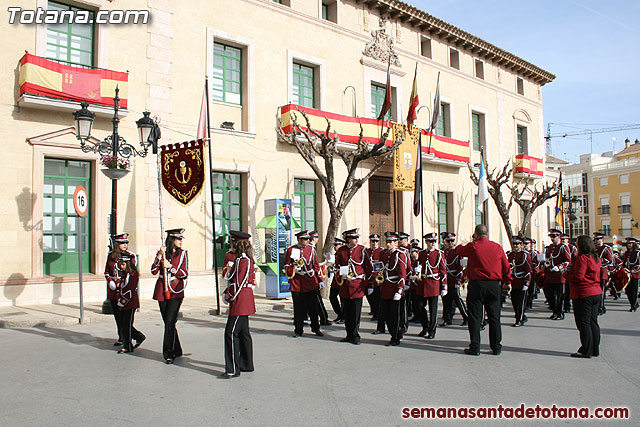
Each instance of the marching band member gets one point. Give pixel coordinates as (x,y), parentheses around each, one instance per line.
(557,257)
(413,305)
(303,270)
(585,293)
(373,292)
(433,284)
(238,345)
(535,267)
(128,301)
(454,280)
(405,249)
(520,262)
(607,264)
(573,250)
(173,260)
(631,263)
(391,290)
(322,311)
(119,243)
(354,268)
(334,291)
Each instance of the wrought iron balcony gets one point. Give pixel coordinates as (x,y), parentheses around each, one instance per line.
(606,231)
(623,209)
(604,210)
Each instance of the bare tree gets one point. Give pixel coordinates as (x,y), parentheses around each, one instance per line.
(311,144)
(528,197)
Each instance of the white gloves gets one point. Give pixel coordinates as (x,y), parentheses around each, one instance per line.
(524,288)
(413,277)
(224,298)
(369,291)
(418,269)
(397,296)
(321,285)
(555,268)
(252,286)
(443,292)
(112,285)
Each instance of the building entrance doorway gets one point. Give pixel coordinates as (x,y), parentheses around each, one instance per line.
(382,205)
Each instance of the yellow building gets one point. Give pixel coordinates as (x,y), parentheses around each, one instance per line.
(329,55)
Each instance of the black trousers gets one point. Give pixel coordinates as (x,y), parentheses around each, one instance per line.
(409,296)
(116,315)
(429,321)
(449,303)
(556,297)
(531,293)
(519,300)
(632,292)
(404,320)
(238,345)
(169,309)
(566,302)
(603,286)
(374,301)
(128,332)
(484,295)
(352,309)
(381,317)
(322,311)
(390,312)
(585,311)
(306,302)
(335,302)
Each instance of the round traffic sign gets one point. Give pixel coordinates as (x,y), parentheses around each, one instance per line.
(81,201)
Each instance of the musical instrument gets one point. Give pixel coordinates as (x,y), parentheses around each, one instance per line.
(323,271)
(165,277)
(290,271)
(620,279)
(379,277)
(541,278)
(300,262)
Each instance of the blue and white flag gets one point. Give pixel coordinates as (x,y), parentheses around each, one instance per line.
(483,189)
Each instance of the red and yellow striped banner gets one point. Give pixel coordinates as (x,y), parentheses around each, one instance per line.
(529,164)
(40,76)
(348,129)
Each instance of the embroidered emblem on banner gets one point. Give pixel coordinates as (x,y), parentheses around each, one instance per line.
(183,169)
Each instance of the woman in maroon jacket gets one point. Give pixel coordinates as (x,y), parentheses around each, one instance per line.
(119,243)
(238,346)
(586,294)
(128,301)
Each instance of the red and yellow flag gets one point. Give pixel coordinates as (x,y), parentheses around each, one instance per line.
(412,115)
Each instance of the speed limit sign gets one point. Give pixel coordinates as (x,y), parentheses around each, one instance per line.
(81,201)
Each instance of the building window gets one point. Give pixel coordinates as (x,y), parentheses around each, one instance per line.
(303,85)
(443,212)
(72,43)
(60,222)
(606,228)
(330,10)
(522,140)
(625,204)
(454,58)
(520,86)
(604,181)
(479,69)
(585,183)
(425,47)
(443,126)
(304,203)
(477,130)
(227,196)
(624,179)
(283,2)
(377,99)
(226,85)
(480,215)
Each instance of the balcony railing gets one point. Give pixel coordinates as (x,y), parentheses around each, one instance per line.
(604,210)
(625,232)
(606,231)
(623,209)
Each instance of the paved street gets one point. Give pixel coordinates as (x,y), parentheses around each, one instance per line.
(70,375)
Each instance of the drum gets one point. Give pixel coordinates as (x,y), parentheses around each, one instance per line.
(620,279)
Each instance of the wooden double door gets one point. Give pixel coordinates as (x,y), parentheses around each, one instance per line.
(383,206)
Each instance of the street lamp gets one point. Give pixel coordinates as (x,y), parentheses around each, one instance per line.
(572,213)
(112,145)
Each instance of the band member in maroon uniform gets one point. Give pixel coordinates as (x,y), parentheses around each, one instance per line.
(585,293)
(486,268)
(631,263)
(520,262)
(238,346)
(573,249)
(119,243)
(322,311)
(391,290)
(557,258)
(413,304)
(433,284)
(334,291)
(301,261)
(373,292)
(354,267)
(454,279)
(173,260)
(405,249)
(607,263)
(535,268)
(128,301)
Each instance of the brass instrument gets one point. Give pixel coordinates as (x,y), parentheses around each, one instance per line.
(379,277)
(339,280)
(300,262)
(290,271)
(350,276)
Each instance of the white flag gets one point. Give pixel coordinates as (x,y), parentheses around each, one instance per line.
(483,189)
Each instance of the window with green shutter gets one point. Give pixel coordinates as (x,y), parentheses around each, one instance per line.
(443,212)
(227,197)
(443,127)
(303,85)
(59,219)
(475,131)
(226,84)
(304,203)
(377,100)
(72,43)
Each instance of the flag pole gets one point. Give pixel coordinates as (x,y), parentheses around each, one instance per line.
(435,108)
(213,206)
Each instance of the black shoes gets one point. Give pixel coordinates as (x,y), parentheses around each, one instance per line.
(297,334)
(338,321)
(422,333)
(393,343)
(464,323)
(431,335)
(117,343)
(168,361)
(497,351)
(345,339)
(580,355)
(140,341)
(327,323)
(318,333)
(226,376)
(471,352)
(376,332)
(122,350)
(517,325)
(443,324)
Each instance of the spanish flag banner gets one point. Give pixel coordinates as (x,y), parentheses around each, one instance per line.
(405,158)
(529,164)
(559,218)
(40,76)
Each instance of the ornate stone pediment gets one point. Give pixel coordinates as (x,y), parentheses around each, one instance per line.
(381,46)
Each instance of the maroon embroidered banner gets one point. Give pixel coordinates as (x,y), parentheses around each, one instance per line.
(183,169)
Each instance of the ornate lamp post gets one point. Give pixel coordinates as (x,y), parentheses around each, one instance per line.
(571,212)
(115,147)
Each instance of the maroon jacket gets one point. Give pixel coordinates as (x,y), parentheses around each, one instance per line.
(395,269)
(359,264)
(631,261)
(585,277)
(241,279)
(487,260)
(111,273)
(607,261)
(306,277)
(522,269)
(454,269)
(375,257)
(178,274)
(558,256)
(434,273)
(127,290)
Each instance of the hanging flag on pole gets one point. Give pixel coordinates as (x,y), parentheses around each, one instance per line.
(436,113)
(386,105)
(412,115)
(483,188)
(417,192)
(559,219)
